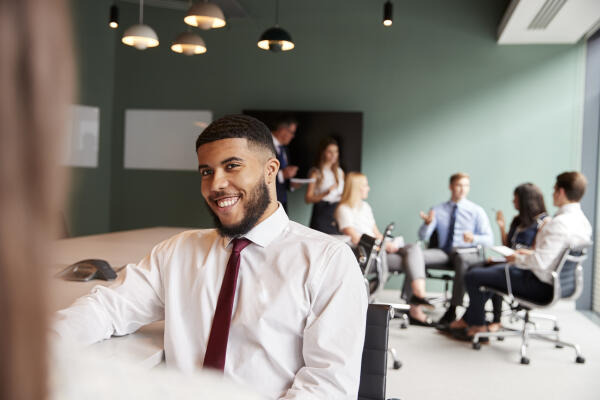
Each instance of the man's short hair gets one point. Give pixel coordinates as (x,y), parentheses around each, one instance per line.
(459,175)
(238,127)
(573,183)
(284,120)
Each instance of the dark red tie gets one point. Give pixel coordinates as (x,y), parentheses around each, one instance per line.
(216,349)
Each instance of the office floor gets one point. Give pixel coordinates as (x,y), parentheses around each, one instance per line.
(437,367)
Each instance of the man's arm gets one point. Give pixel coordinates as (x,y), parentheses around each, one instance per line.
(426,229)
(334,332)
(131,303)
(483,231)
(550,241)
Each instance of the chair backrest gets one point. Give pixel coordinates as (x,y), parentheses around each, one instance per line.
(374,357)
(370,256)
(568,274)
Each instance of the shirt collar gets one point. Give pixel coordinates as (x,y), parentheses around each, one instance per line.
(567,208)
(461,202)
(276,142)
(265,232)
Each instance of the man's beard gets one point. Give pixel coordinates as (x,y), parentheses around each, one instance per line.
(258,201)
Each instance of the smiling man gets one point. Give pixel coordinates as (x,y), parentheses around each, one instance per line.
(271,303)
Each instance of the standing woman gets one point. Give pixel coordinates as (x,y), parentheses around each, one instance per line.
(326,192)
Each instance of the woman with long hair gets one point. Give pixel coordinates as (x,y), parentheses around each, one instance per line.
(529,201)
(354,217)
(325,192)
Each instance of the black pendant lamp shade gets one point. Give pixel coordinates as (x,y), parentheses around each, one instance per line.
(275,39)
(388,10)
(113,20)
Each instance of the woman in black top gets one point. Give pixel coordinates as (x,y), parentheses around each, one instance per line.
(529,201)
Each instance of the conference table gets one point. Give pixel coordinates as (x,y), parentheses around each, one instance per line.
(144,347)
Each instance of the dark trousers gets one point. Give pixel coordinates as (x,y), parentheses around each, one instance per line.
(460,263)
(524,284)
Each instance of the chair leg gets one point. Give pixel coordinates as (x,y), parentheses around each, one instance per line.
(553,337)
(396,362)
(525,343)
(547,317)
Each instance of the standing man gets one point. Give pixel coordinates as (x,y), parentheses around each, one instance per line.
(271,303)
(283,133)
(458,223)
(531,269)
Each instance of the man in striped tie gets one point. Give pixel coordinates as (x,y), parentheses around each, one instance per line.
(283,132)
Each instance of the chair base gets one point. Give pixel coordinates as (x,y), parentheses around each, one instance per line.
(528,332)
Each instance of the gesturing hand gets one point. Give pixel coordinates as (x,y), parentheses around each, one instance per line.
(500,219)
(427,218)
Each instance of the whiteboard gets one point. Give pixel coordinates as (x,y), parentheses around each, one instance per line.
(81,142)
(163,139)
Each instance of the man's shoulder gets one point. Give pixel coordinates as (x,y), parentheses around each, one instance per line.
(313,238)
(191,236)
(474,206)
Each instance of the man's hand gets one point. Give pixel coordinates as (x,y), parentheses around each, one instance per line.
(511,259)
(289,171)
(500,219)
(390,248)
(468,237)
(427,218)
(524,251)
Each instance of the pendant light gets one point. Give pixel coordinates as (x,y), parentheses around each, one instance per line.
(388,12)
(189,43)
(205,16)
(140,36)
(276,39)
(113,20)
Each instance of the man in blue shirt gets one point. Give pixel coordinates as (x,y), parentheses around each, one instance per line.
(458,223)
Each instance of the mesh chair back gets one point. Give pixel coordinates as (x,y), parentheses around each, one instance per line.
(568,270)
(374,358)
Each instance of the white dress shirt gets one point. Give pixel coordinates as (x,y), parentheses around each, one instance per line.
(360,218)
(569,226)
(278,145)
(298,319)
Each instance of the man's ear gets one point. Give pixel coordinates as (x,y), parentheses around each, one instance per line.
(271,169)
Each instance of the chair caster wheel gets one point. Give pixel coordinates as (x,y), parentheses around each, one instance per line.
(476,346)
(404,326)
(501,338)
(524,360)
(397,365)
(556,329)
(580,360)
(558,346)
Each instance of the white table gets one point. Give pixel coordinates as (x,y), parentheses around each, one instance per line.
(119,248)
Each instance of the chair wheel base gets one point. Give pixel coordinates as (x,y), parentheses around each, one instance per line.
(556,329)
(476,346)
(524,360)
(580,360)
(397,365)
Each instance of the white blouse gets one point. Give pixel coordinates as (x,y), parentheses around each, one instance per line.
(329,180)
(360,218)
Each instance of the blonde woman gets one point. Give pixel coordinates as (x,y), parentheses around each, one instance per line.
(354,217)
(326,191)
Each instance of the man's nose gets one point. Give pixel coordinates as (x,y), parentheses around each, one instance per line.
(219,181)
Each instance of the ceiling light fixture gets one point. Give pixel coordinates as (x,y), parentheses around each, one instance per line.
(205,16)
(140,36)
(388,11)
(113,20)
(276,39)
(189,43)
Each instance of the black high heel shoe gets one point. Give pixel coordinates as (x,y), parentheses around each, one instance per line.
(419,301)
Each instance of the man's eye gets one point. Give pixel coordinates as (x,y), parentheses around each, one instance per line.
(205,172)
(233,166)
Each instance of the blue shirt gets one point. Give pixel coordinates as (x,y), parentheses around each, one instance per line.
(469,218)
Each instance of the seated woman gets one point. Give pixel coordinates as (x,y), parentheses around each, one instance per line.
(529,201)
(355,218)
(327,189)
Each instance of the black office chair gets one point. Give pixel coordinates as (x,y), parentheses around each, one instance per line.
(567,281)
(373,370)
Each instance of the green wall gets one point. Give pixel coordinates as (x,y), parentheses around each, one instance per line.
(438,96)
(88,206)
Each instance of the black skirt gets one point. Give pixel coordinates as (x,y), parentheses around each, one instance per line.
(322,218)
